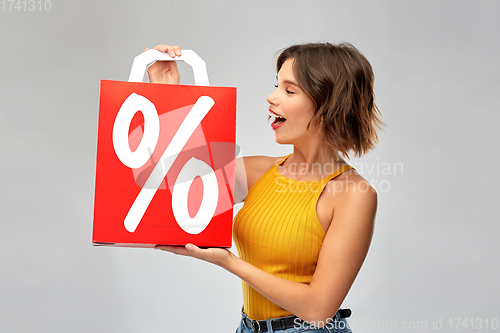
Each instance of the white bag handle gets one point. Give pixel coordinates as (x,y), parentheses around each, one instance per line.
(146,59)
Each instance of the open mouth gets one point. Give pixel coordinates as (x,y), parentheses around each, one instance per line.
(278,120)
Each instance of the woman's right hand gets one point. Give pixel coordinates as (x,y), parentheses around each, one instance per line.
(165,71)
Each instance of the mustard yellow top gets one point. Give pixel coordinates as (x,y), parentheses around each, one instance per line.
(278,231)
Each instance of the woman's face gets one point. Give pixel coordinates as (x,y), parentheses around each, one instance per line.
(291,107)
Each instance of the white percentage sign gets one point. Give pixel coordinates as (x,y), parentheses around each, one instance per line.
(193,168)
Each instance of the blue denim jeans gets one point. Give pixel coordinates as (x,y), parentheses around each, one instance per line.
(336,325)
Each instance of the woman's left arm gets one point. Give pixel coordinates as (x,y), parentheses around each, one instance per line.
(342,253)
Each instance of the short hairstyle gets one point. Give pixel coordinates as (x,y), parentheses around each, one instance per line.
(339,80)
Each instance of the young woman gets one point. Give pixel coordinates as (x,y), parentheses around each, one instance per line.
(307,220)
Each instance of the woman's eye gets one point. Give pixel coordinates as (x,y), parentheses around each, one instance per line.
(287,91)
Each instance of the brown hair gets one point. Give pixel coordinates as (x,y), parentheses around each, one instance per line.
(339,80)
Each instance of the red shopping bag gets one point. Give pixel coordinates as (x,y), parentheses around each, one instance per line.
(165,160)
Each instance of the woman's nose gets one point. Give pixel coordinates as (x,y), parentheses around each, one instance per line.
(271,98)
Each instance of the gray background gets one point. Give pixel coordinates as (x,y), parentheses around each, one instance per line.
(435,251)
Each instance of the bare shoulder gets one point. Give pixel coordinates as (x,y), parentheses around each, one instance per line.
(257,166)
(346,195)
(350,190)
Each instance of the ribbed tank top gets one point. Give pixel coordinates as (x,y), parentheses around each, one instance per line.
(278,231)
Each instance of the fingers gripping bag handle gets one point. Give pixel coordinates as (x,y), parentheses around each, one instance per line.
(149,57)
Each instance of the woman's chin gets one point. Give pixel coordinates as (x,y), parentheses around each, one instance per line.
(280,140)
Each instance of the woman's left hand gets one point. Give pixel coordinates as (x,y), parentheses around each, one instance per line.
(218,256)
